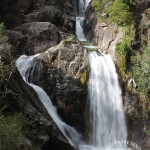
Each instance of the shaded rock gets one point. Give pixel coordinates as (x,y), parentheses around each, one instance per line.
(39,127)
(12,12)
(68,7)
(131,105)
(42,34)
(21,44)
(54,15)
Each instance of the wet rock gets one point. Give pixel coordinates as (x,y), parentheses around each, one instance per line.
(12,12)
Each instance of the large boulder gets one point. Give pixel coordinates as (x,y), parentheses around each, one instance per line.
(12,12)
(60,78)
(21,44)
(42,35)
(54,15)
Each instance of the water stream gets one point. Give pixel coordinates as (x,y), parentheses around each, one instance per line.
(83,4)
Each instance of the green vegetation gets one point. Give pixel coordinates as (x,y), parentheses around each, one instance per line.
(141,70)
(10,131)
(7,63)
(83,77)
(120,13)
(100,6)
(141,74)
(97,7)
(124,48)
(148,132)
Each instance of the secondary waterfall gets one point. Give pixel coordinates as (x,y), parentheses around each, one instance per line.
(25,65)
(83,4)
(106,110)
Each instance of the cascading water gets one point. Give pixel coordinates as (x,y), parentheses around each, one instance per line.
(79,29)
(107,116)
(83,4)
(25,65)
(106,112)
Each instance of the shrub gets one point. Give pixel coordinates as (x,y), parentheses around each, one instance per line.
(10,131)
(97,6)
(120,13)
(141,70)
(7,63)
(124,48)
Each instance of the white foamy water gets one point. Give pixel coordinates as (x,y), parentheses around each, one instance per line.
(87,3)
(79,29)
(106,110)
(83,4)
(24,64)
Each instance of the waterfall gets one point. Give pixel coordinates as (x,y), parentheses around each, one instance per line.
(106,110)
(79,29)
(25,65)
(83,4)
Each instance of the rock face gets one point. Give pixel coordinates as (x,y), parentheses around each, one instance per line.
(106,37)
(33,37)
(102,34)
(42,34)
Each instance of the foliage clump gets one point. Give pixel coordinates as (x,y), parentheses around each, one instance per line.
(97,7)
(10,131)
(141,70)
(100,6)
(120,12)
(7,63)
(141,75)
(124,48)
